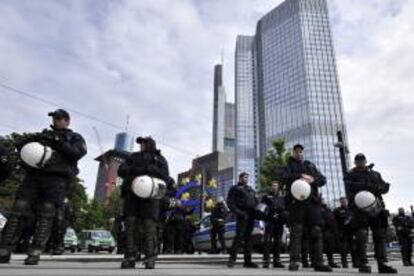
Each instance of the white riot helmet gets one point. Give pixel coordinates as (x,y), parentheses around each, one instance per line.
(148,187)
(35,154)
(367,202)
(300,189)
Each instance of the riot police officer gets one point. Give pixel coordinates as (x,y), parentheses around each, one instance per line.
(143,212)
(363,178)
(304,215)
(60,224)
(342,216)
(403,225)
(330,233)
(242,201)
(218,219)
(176,232)
(45,187)
(275,221)
(6,163)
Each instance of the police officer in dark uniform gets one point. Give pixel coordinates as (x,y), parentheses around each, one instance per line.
(363,178)
(275,221)
(218,219)
(138,211)
(242,201)
(330,233)
(60,224)
(342,216)
(304,215)
(403,225)
(44,189)
(176,233)
(6,163)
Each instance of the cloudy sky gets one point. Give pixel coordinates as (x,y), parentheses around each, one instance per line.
(153,60)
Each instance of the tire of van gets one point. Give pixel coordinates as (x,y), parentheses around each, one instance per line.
(73,249)
(111,249)
(90,248)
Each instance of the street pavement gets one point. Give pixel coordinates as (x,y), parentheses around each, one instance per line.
(100,264)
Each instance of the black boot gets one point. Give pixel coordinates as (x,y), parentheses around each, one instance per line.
(293,266)
(278,264)
(364,268)
(150,263)
(128,263)
(32,259)
(333,265)
(250,265)
(5,256)
(231,262)
(322,268)
(383,268)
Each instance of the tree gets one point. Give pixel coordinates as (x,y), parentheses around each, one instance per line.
(78,201)
(9,188)
(273,163)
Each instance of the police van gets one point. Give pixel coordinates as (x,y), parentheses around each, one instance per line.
(202,240)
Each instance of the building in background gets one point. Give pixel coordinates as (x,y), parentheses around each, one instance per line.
(286,86)
(124,142)
(245,104)
(223,116)
(214,171)
(107,179)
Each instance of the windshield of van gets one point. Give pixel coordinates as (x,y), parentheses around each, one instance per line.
(101,234)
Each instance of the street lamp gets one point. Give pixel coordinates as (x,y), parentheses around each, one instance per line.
(343,151)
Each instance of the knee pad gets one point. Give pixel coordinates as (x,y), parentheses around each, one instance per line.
(21,208)
(47,210)
(361,235)
(316,232)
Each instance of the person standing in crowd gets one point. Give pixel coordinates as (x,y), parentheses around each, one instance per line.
(218,219)
(274,225)
(6,164)
(403,225)
(141,212)
(242,201)
(342,216)
(330,233)
(44,188)
(176,227)
(304,216)
(61,222)
(363,178)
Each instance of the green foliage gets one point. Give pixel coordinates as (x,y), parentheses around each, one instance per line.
(9,188)
(273,163)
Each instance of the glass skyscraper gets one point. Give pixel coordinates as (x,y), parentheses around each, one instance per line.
(245,148)
(295,90)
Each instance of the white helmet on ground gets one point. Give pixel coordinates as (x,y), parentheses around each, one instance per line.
(300,189)
(367,202)
(148,187)
(35,154)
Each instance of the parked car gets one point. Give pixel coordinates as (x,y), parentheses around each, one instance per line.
(202,241)
(70,240)
(96,240)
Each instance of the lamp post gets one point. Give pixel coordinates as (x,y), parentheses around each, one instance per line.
(343,151)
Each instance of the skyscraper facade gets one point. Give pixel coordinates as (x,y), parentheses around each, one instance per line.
(295,91)
(245,147)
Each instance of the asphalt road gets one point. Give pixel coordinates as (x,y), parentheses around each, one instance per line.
(66,266)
